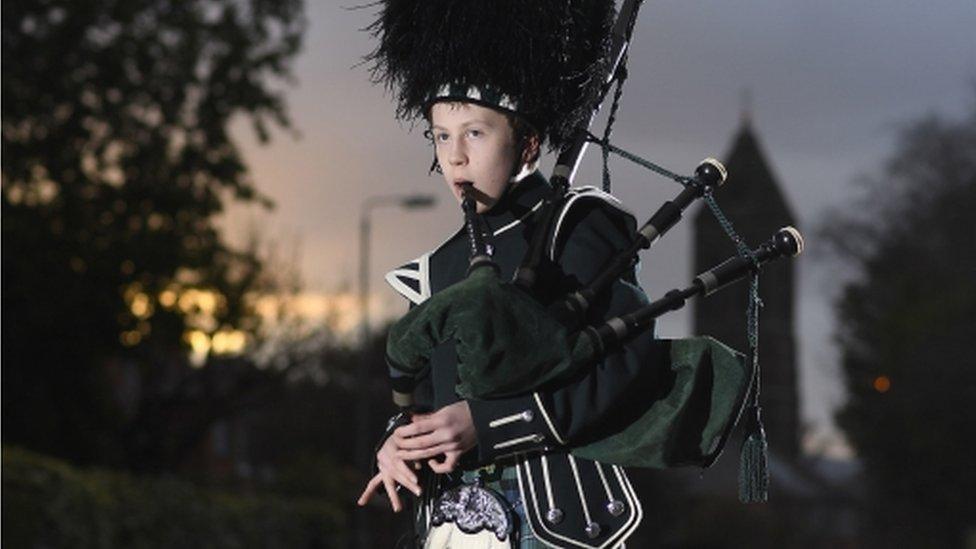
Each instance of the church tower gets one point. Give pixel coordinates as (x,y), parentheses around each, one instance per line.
(753,202)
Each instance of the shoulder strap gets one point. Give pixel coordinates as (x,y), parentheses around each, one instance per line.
(574,197)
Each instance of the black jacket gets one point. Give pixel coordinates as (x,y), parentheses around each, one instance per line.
(533,431)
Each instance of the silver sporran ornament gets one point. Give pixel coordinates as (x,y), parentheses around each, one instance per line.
(470,516)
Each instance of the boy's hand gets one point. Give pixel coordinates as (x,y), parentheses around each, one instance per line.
(392,471)
(449,432)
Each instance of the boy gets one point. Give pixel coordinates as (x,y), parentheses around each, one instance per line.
(495,80)
(477,144)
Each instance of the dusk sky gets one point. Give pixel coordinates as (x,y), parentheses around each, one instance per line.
(830,83)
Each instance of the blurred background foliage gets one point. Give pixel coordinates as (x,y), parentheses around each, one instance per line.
(134,338)
(116,158)
(906,327)
(48,503)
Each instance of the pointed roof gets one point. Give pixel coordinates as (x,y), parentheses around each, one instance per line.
(751,188)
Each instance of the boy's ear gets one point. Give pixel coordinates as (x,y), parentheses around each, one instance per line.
(530,152)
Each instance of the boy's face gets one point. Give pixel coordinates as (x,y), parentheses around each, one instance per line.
(476,144)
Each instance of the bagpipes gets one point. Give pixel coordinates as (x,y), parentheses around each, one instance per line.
(509,343)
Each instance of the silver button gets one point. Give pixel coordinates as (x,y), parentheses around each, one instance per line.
(527,416)
(554,515)
(615,507)
(592,530)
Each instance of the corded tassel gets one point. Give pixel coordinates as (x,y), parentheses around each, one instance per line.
(753,467)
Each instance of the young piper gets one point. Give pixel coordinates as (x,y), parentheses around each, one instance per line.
(476,145)
(495,80)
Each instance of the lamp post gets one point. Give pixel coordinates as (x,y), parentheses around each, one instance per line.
(363,436)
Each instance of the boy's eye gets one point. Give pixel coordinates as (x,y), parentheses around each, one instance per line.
(441,137)
(474,132)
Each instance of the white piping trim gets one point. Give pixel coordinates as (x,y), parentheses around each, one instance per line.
(583,192)
(637,513)
(612,541)
(421,274)
(525,171)
(535,504)
(522,492)
(424,261)
(555,435)
(548,482)
(423,265)
(407,273)
(519,220)
(525,415)
(579,489)
(536,437)
(400,287)
(603,479)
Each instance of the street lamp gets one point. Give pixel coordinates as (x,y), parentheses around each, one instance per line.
(407,202)
(363,446)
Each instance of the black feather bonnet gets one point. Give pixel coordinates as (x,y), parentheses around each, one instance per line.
(542,59)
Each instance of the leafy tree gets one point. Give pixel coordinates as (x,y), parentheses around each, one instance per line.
(116,158)
(906,330)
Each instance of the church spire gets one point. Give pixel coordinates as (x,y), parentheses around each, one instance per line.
(745,114)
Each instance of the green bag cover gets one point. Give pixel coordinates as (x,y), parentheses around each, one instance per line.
(506,341)
(508,344)
(689,420)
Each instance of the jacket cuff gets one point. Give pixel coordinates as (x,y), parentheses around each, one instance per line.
(403,385)
(511,426)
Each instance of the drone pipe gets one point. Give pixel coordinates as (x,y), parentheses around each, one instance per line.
(709,175)
(787,242)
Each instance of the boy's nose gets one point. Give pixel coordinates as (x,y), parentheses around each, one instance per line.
(457,155)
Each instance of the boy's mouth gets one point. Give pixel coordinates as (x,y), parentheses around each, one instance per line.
(466,188)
